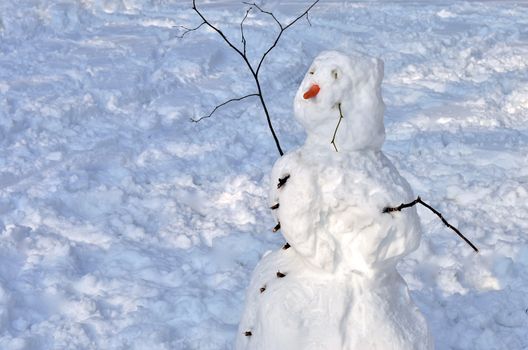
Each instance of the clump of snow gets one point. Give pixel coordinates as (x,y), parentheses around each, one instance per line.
(445,14)
(336,286)
(517,101)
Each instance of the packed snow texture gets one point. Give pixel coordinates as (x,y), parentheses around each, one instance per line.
(311,309)
(341,289)
(125,226)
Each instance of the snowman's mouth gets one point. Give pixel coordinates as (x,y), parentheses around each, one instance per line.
(311,92)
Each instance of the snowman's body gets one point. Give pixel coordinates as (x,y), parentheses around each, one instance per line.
(341,289)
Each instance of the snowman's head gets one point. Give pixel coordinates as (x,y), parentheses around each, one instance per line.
(342,85)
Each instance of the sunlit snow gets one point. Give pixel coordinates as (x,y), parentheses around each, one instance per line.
(123,225)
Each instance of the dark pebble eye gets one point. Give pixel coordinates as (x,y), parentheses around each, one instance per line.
(335,74)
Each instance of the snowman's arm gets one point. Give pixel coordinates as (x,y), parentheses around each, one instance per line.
(428,206)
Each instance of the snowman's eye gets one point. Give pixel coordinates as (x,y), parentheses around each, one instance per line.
(335,74)
(312,72)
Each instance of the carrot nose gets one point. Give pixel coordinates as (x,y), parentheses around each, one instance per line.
(312,91)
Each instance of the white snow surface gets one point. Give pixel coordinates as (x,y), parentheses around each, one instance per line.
(125,226)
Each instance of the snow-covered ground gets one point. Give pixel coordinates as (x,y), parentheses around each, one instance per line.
(125,226)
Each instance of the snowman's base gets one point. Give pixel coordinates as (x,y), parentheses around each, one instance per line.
(309,308)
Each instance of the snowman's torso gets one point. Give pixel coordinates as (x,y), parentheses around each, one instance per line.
(331,209)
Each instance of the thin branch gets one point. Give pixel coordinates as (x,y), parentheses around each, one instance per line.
(266,12)
(253,73)
(221,34)
(187,30)
(242,52)
(283,28)
(305,13)
(268,118)
(242,30)
(420,201)
(337,126)
(222,104)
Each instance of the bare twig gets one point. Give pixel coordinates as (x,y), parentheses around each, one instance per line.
(283,28)
(218,31)
(257,82)
(188,30)
(242,30)
(337,126)
(266,12)
(420,201)
(222,104)
(308,19)
(243,54)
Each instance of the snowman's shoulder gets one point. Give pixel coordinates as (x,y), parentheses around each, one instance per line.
(375,170)
(393,175)
(286,160)
(285,165)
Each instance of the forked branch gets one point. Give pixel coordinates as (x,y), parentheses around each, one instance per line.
(282,29)
(243,54)
(188,30)
(266,12)
(420,201)
(242,29)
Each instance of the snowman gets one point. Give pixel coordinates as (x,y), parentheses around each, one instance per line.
(334,285)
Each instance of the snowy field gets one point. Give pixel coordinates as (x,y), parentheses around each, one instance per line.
(125,226)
